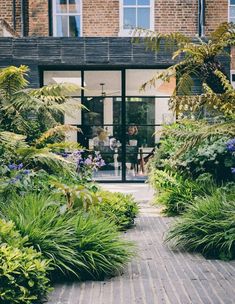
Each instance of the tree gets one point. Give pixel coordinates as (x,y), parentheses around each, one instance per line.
(31,118)
(196,59)
(31,111)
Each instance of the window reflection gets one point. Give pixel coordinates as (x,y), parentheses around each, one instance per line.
(62,26)
(74,26)
(136,13)
(143,19)
(61,6)
(67,16)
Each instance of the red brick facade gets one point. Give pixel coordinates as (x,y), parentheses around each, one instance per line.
(176,16)
(233,58)
(216,13)
(38,18)
(6,13)
(101,17)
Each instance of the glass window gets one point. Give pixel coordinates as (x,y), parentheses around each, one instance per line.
(232,11)
(129,18)
(67,18)
(136,13)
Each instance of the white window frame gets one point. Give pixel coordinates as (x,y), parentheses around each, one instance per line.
(54,14)
(232,72)
(127,32)
(229,7)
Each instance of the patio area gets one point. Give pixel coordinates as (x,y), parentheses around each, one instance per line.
(157,274)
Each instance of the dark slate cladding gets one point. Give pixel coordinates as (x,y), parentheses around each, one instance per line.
(120,51)
(86,52)
(96,50)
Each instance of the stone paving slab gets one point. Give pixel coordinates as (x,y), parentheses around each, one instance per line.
(158,275)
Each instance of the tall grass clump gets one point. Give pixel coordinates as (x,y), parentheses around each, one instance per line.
(100,247)
(78,244)
(208,226)
(176,192)
(38,218)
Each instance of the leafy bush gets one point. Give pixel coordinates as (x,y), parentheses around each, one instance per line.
(100,247)
(176,192)
(23,274)
(38,217)
(193,148)
(208,226)
(118,207)
(78,244)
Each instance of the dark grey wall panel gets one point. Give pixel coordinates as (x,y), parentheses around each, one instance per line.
(86,52)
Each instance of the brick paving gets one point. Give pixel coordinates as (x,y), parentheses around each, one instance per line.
(157,275)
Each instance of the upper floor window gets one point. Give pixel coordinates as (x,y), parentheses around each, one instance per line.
(67,18)
(136,14)
(232,11)
(233,78)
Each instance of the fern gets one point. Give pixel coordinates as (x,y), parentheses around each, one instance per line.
(60,129)
(198,59)
(202,131)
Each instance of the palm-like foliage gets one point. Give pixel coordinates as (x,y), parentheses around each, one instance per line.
(21,106)
(201,131)
(38,156)
(198,59)
(30,118)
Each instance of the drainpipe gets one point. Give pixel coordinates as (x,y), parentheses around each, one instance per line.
(23,18)
(201,18)
(14,14)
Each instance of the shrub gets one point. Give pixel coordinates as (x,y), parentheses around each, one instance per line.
(78,244)
(38,218)
(23,273)
(176,192)
(184,148)
(208,226)
(100,247)
(118,207)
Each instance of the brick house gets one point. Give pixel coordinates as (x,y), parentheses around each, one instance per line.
(88,42)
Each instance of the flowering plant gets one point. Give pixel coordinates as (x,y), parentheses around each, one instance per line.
(86,164)
(231,148)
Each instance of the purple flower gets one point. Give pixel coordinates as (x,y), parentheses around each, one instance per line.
(101,163)
(233,170)
(78,153)
(26,172)
(20,166)
(12,166)
(64,155)
(231,145)
(88,161)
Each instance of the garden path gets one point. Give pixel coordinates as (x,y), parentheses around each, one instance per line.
(157,275)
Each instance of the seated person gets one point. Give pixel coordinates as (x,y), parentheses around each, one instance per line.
(102,143)
(132,136)
(101,139)
(133,142)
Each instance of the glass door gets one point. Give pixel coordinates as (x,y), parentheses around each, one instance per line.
(121,123)
(102,122)
(140,140)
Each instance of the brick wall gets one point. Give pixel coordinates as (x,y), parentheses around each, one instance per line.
(6,13)
(38,18)
(176,16)
(233,58)
(216,13)
(100,18)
